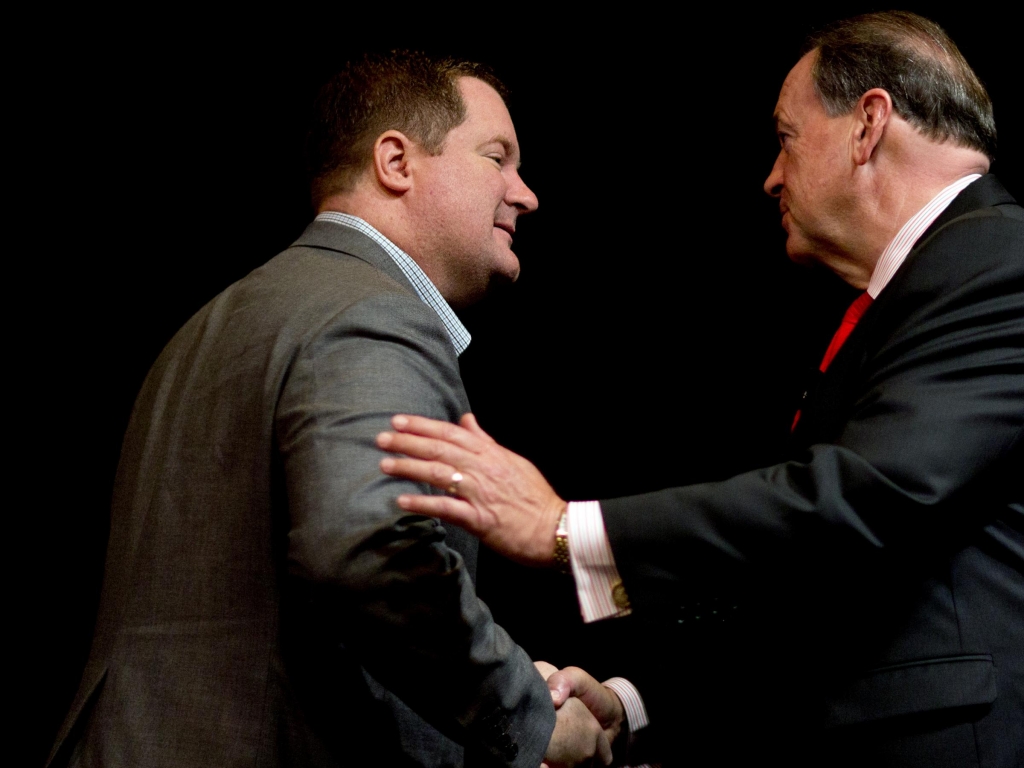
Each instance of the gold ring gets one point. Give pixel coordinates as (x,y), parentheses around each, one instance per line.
(453,488)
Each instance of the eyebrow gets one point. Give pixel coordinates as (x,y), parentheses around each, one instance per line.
(781,122)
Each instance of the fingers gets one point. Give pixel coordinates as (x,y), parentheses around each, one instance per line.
(438,430)
(446,508)
(434,473)
(602,702)
(517,510)
(604,749)
(577,739)
(574,682)
(425,448)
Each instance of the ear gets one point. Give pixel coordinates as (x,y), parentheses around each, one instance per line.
(871,115)
(391,156)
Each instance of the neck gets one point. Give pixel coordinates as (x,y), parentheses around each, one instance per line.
(373,208)
(388,214)
(904,181)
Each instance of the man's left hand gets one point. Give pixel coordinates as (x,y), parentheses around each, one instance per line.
(493,493)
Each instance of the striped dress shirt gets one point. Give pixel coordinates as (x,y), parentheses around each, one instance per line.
(598,585)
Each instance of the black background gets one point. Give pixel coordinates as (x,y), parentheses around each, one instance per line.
(658,334)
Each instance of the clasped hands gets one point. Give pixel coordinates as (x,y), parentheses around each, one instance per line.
(589,718)
(504,500)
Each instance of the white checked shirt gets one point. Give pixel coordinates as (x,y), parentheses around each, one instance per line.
(425,289)
(598,584)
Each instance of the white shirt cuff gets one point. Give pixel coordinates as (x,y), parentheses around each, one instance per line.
(598,585)
(636,712)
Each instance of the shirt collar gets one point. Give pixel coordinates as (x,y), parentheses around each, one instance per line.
(425,289)
(896,252)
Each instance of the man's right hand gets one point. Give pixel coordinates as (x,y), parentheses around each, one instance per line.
(578,738)
(574,741)
(603,703)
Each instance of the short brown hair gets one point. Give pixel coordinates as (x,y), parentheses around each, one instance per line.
(406,91)
(931,84)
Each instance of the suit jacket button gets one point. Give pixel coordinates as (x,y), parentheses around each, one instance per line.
(510,751)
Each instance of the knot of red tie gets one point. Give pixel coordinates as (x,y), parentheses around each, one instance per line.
(850,320)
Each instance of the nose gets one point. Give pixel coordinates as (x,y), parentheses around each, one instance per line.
(773,184)
(520,196)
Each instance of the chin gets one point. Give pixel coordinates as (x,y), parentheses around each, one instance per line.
(799,253)
(476,287)
(501,280)
(507,269)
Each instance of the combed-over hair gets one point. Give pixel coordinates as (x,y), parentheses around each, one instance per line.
(931,84)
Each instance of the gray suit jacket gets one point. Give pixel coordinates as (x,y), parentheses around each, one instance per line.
(265,602)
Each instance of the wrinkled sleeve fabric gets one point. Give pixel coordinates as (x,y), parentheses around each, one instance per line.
(384,583)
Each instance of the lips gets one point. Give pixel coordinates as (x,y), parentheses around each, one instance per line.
(509,228)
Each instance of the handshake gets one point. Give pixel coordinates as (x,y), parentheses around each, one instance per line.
(589,719)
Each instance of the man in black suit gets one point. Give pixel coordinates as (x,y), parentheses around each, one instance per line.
(890,548)
(265,603)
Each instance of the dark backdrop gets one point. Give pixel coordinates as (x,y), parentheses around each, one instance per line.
(657,336)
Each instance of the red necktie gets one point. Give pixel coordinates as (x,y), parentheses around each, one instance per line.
(850,319)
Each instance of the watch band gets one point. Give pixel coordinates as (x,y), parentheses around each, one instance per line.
(562,544)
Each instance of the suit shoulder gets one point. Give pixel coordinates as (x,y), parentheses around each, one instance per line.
(304,289)
(307,276)
(981,249)
(300,299)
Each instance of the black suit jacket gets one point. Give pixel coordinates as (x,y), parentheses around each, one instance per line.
(265,603)
(889,552)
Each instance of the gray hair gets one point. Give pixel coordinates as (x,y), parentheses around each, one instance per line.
(931,84)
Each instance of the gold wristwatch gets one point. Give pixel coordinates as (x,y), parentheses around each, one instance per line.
(562,544)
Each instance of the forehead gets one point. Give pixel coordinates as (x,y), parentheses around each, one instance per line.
(487,118)
(798,99)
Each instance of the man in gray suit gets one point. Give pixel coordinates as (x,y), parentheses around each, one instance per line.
(265,602)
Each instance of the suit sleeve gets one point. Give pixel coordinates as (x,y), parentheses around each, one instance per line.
(385,583)
(921,457)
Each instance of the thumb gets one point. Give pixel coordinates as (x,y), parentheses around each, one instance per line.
(561,688)
(573,681)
